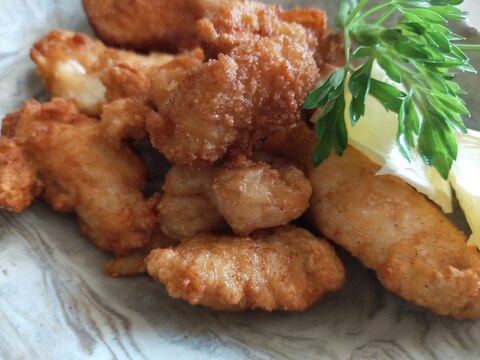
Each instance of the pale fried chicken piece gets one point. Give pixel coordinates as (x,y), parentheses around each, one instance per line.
(415,250)
(284,269)
(81,172)
(134,263)
(187,215)
(186,208)
(254,195)
(18,180)
(149,25)
(149,84)
(76,67)
(227,105)
(124,119)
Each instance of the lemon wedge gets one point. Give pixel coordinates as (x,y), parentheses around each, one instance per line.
(375,136)
(465,177)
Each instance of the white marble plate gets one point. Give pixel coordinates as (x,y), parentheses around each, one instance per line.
(55,303)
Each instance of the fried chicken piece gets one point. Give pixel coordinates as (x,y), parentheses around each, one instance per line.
(186,208)
(285,269)
(254,195)
(81,172)
(18,180)
(227,105)
(243,21)
(149,84)
(149,25)
(76,67)
(415,250)
(124,119)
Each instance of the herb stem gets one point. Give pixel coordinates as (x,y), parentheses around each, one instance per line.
(373,11)
(385,16)
(468,47)
(354,13)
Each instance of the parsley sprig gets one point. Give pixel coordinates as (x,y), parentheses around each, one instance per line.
(420,53)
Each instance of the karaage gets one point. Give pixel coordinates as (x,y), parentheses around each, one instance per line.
(259,194)
(283,269)
(415,250)
(227,105)
(78,170)
(76,67)
(149,25)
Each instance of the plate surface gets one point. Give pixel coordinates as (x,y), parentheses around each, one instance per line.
(55,303)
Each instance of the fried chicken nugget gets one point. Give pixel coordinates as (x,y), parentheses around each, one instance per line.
(18,180)
(239,22)
(284,269)
(149,24)
(260,194)
(80,171)
(76,67)
(227,105)
(242,21)
(415,250)
(185,209)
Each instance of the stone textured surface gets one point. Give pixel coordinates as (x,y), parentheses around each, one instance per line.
(55,303)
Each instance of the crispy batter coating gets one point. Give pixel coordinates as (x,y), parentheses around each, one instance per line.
(124,119)
(76,67)
(149,25)
(18,180)
(255,195)
(81,172)
(284,269)
(186,208)
(243,21)
(416,251)
(227,105)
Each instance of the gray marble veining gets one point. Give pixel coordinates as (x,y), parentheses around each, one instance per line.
(55,303)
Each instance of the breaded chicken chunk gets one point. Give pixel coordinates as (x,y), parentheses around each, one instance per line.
(149,24)
(78,170)
(284,269)
(415,250)
(18,180)
(242,21)
(260,194)
(76,67)
(227,105)
(185,209)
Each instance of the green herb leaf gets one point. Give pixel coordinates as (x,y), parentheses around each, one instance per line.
(420,53)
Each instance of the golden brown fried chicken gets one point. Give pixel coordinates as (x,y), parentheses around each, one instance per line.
(149,24)
(284,269)
(80,171)
(227,105)
(76,67)
(185,209)
(242,21)
(416,251)
(18,181)
(255,195)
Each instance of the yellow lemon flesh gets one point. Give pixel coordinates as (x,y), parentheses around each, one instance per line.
(375,136)
(465,180)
